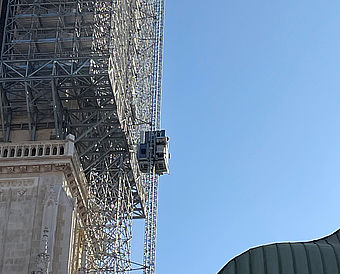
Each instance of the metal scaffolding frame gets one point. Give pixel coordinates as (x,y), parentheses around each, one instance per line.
(91,69)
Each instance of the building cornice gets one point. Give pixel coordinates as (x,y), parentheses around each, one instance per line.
(43,157)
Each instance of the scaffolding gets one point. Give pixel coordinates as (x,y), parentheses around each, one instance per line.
(91,69)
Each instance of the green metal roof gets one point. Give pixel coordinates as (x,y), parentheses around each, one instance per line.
(315,257)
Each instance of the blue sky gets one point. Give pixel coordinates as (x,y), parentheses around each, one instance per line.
(251,102)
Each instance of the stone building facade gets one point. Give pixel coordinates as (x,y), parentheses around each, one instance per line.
(42,207)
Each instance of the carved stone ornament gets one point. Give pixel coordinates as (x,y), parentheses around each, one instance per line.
(60,167)
(21,192)
(51,195)
(23,168)
(47,167)
(35,168)
(43,258)
(10,169)
(42,262)
(21,183)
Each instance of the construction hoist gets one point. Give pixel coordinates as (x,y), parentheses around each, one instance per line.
(153,150)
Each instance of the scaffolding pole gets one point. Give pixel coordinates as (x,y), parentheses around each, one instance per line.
(92,69)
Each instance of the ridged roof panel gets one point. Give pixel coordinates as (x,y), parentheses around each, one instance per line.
(315,257)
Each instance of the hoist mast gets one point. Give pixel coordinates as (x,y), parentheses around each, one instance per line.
(154,135)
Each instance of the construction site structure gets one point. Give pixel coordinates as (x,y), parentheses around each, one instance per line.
(153,151)
(80,83)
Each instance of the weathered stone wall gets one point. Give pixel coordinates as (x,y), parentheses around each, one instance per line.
(28,206)
(42,207)
(17,203)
